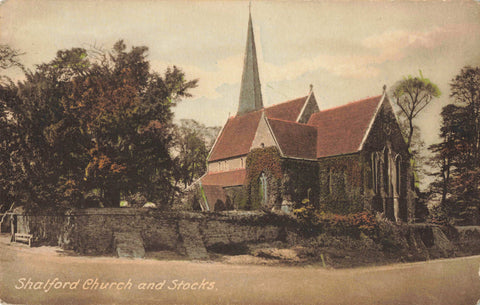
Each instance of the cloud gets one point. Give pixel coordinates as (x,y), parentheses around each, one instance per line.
(394,44)
(226,71)
(381,48)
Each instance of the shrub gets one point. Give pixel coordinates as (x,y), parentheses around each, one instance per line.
(306,212)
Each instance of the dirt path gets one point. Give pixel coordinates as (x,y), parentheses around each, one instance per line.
(452,281)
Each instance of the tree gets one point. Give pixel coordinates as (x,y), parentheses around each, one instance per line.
(9,57)
(193,142)
(101,124)
(458,155)
(412,95)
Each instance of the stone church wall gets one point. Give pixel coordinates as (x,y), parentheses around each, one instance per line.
(341,182)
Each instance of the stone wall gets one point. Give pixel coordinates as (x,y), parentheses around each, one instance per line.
(91,231)
(98,231)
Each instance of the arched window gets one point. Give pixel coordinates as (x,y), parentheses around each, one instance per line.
(263,188)
(386,171)
(375,167)
(398,173)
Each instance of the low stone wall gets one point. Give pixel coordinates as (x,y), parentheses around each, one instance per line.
(94,232)
(91,231)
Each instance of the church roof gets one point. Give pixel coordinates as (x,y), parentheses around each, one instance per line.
(341,130)
(289,110)
(236,137)
(239,131)
(338,130)
(295,140)
(228,178)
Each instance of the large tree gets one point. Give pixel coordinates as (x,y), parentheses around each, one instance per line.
(458,155)
(101,124)
(193,141)
(412,95)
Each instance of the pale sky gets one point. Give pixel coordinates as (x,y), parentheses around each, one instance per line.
(347,50)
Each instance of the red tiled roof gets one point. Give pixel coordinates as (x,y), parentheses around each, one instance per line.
(289,110)
(295,139)
(236,137)
(341,129)
(238,133)
(213,194)
(230,178)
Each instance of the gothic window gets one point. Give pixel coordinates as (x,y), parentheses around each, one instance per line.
(398,173)
(375,168)
(386,171)
(264,188)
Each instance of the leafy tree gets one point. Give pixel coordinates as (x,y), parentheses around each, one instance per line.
(458,155)
(101,123)
(412,95)
(193,143)
(9,58)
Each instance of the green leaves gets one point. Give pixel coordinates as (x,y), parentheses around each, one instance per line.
(96,123)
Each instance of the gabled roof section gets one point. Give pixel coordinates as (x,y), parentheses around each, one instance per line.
(236,137)
(229,178)
(341,130)
(288,111)
(295,140)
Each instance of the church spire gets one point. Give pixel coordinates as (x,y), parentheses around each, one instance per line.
(250,92)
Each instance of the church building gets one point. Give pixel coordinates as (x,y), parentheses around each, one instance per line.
(345,159)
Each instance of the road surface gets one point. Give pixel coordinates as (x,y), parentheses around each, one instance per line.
(43,276)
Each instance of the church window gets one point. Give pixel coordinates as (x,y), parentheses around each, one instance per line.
(398,173)
(375,172)
(264,188)
(386,171)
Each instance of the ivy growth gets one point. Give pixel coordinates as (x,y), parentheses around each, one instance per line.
(261,160)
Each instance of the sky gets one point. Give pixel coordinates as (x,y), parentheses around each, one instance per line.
(347,49)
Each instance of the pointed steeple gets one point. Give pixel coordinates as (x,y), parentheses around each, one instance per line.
(250,92)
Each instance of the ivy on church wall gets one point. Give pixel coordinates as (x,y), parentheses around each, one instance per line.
(342,189)
(300,181)
(262,160)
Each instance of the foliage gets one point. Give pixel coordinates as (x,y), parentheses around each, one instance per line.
(9,58)
(341,184)
(457,157)
(193,141)
(438,215)
(81,123)
(361,222)
(305,212)
(412,95)
(351,224)
(260,160)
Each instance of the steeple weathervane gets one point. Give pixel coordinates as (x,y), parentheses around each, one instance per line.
(250,91)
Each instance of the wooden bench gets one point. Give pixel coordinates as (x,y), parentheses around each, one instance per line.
(21,237)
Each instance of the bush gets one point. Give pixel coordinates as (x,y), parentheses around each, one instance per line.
(352,224)
(437,215)
(306,212)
